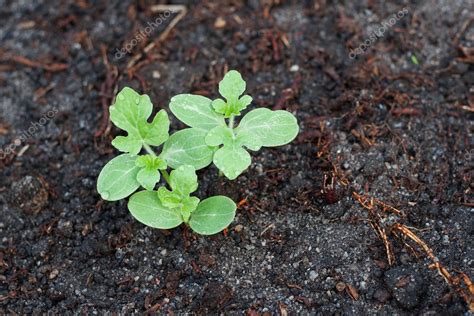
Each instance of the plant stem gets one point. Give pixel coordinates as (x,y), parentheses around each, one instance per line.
(231,126)
(149,150)
(231,122)
(166,176)
(164,173)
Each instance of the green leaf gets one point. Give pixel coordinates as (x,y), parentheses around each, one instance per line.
(188,147)
(271,128)
(130,113)
(169,199)
(127,144)
(195,111)
(213,215)
(231,88)
(244,102)
(148,178)
(247,139)
(220,135)
(151,162)
(118,179)
(232,85)
(156,133)
(183,180)
(189,205)
(232,160)
(183,205)
(220,106)
(149,175)
(147,209)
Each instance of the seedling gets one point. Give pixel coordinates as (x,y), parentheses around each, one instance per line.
(123,175)
(258,128)
(210,138)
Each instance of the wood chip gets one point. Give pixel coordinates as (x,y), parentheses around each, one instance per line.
(352,291)
(220,23)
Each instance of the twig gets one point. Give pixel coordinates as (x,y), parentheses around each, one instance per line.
(54,67)
(181,9)
(370,203)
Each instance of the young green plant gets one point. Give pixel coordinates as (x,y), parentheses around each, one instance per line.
(123,175)
(259,128)
(212,137)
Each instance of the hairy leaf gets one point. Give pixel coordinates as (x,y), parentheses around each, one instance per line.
(232,160)
(232,85)
(220,135)
(188,147)
(271,128)
(151,162)
(148,178)
(184,205)
(168,198)
(212,215)
(130,113)
(149,175)
(147,209)
(231,88)
(195,111)
(183,180)
(118,179)
(247,139)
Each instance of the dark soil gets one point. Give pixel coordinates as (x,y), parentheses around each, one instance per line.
(395,124)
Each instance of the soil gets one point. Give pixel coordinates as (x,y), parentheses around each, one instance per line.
(394,123)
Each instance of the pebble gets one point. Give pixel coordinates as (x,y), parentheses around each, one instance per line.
(30,194)
(53,274)
(340,286)
(220,23)
(238,228)
(294,68)
(241,48)
(313,275)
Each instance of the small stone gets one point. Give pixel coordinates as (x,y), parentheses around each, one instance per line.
(294,68)
(238,228)
(313,275)
(445,240)
(30,194)
(241,48)
(220,23)
(53,274)
(340,286)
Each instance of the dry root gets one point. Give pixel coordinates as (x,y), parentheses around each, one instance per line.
(378,211)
